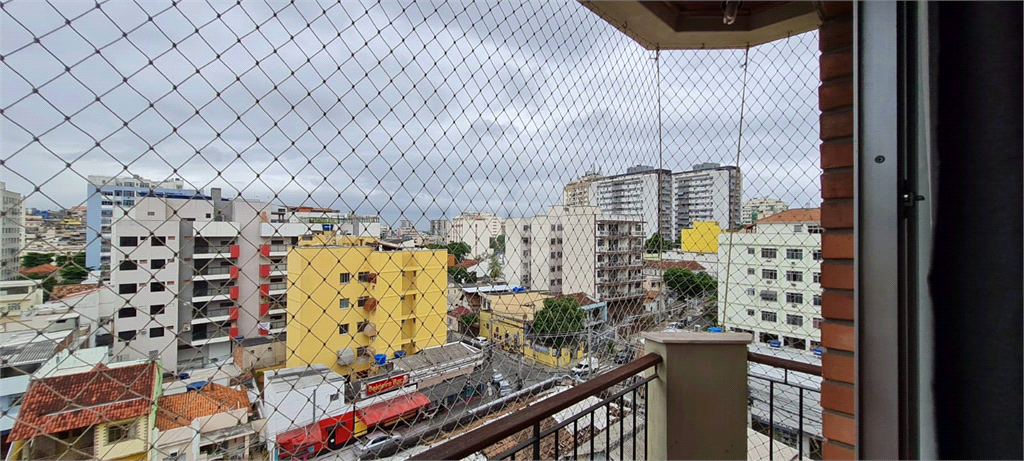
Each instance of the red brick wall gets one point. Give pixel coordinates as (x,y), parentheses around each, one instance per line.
(835,98)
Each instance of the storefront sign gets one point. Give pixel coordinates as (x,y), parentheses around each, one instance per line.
(393,382)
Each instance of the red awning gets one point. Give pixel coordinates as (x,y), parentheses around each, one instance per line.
(383,412)
(299,437)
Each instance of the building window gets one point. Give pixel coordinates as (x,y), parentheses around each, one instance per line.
(816,300)
(364,277)
(750,312)
(751,271)
(127,288)
(816,254)
(362,301)
(343,304)
(552,240)
(129,241)
(156,309)
(344,277)
(343,329)
(156,287)
(126,312)
(751,292)
(769,253)
(816,322)
(814,229)
(816,276)
(795,320)
(120,432)
(157,263)
(156,332)
(769,274)
(766,337)
(750,250)
(127,335)
(798,228)
(158,241)
(794,276)
(769,295)
(795,298)
(795,343)
(768,316)
(334,396)
(794,253)
(127,265)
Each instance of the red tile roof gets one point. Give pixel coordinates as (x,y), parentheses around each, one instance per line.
(458,312)
(61,291)
(793,215)
(41,269)
(180,409)
(691,265)
(467,263)
(67,402)
(580,297)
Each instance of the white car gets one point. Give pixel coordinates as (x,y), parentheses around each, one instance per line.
(378,444)
(479,342)
(585,367)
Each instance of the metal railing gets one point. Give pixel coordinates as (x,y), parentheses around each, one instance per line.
(217,270)
(786,410)
(535,421)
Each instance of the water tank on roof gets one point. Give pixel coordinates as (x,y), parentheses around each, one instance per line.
(715,330)
(399,354)
(775,343)
(380,359)
(818,351)
(183,375)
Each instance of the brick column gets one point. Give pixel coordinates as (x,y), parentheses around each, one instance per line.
(835,98)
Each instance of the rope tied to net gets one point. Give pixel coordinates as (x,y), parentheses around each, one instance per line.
(739,150)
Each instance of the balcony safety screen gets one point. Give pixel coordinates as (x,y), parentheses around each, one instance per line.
(255,221)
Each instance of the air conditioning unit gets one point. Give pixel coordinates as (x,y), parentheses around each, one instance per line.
(186,327)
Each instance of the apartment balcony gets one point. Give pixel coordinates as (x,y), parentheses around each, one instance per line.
(215,252)
(277,288)
(215,273)
(223,293)
(634,411)
(217,315)
(277,250)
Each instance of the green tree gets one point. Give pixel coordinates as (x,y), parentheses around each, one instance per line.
(498,243)
(30,260)
(559,321)
(459,249)
(73,274)
(687,284)
(469,320)
(657,243)
(493,266)
(461,275)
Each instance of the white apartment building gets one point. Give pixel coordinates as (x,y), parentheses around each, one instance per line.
(643,193)
(760,208)
(328,220)
(773,286)
(109,195)
(577,193)
(476,229)
(12,232)
(576,250)
(193,274)
(708,192)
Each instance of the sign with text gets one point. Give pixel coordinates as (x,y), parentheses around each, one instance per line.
(377,387)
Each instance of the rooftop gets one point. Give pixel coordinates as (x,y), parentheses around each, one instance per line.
(74,401)
(29,346)
(40,269)
(304,376)
(518,305)
(431,356)
(793,215)
(665,265)
(180,410)
(71,362)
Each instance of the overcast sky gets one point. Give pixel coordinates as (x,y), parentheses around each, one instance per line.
(410,111)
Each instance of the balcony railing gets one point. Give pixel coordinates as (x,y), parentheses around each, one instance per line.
(536,432)
(225,249)
(218,270)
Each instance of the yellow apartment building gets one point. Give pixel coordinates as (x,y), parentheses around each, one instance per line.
(702,238)
(504,319)
(352,299)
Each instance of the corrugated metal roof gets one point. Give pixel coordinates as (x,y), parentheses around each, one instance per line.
(434,356)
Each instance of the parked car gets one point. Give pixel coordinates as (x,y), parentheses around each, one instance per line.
(585,367)
(623,357)
(378,444)
(479,342)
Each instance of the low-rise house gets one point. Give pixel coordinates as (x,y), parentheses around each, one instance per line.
(106,413)
(507,320)
(654,272)
(211,422)
(21,354)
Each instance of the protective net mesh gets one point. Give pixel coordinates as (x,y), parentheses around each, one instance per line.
(270,230)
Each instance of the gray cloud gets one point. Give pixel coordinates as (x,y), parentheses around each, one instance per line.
(408,110)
